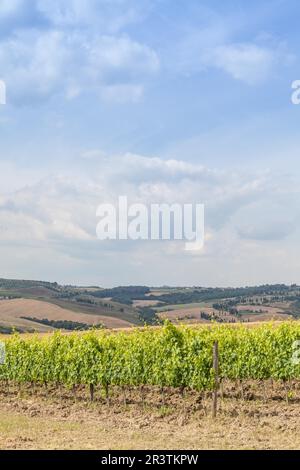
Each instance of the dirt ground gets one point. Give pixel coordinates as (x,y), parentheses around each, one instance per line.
(46,419)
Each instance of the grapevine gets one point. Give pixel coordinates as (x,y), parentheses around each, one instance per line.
(169,356)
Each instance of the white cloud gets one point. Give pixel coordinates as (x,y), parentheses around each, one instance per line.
(67,48)
(269,219)
(10,7)
(33,64)
(38,65)
(109,53)
(110,16)
(122,93)
(214,42)
(249,63)
(65,205)
(105,16)
(63,12)
(13,177)
(250,223)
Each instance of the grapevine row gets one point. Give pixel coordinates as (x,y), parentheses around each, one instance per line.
(167,357)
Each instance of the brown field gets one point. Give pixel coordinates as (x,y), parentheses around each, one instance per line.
(47,419)
(11,312)
(192,315)
(282,305)
(266,317)
(184,315)
(113,310)
(145,303)
(265,309)
(189,315)
(268,313)
(38,291)
(183,312)
(157,293)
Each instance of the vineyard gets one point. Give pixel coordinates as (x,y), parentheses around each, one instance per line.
(177,357)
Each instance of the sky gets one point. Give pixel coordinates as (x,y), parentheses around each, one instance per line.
(165,101)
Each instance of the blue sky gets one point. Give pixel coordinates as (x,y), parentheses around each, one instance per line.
(162,100)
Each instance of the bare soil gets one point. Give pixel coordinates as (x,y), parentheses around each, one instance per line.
(51,418)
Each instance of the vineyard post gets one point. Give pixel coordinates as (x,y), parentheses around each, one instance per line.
(216,379)
(92,390)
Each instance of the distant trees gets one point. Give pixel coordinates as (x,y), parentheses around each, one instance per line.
(124,295)
(149,316)
(65,324)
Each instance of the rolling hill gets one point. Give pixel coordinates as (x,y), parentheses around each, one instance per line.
(28,306)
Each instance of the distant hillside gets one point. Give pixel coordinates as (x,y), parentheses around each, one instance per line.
(28,305)
(24,284)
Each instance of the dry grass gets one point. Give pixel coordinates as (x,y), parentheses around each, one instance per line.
(47,421)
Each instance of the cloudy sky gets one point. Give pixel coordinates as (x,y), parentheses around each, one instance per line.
(161,100)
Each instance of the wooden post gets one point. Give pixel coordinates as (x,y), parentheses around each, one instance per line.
(106,386)
(92,390)
(216,379)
